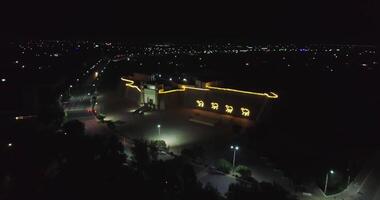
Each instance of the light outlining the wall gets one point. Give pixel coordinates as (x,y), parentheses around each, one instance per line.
(130,84)
(214,106)
(200,103)
(183,88)
(162,91)
(229,109)
(270,95)
(245,112)
(194,88)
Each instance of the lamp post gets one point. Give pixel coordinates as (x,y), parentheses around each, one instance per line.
(349,177)
(327,179)
(159,129)
(70,89)
(234,148)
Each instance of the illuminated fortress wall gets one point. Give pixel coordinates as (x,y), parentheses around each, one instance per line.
(226,101)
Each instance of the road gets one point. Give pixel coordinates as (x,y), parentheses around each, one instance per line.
(78,107)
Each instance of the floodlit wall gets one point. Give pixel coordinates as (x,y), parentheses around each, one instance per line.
(244,104)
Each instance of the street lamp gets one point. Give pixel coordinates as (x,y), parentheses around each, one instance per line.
(159,129)
(349,177)
(327,179)
(71,86)
(234,148)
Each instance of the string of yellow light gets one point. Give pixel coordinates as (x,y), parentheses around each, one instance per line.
(130,84)
(183,88)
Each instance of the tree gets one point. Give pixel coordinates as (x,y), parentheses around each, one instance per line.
(210,192)
(159,144)
(155,147)
(223,165)
(153,151)
(140,153)
(244,171)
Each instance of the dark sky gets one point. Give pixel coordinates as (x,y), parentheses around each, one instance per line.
(272,21)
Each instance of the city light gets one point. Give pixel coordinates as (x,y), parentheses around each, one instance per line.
(3,80)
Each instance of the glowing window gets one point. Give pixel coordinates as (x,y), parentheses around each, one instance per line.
(200,103)
(245,112)
(214,106)
(229,109)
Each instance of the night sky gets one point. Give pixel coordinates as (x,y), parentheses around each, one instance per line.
(272,21)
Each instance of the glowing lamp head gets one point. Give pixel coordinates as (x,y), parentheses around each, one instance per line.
(159,126)
(332,172)
(235,148)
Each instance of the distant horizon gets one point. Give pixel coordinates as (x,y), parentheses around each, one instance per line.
(189,41)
